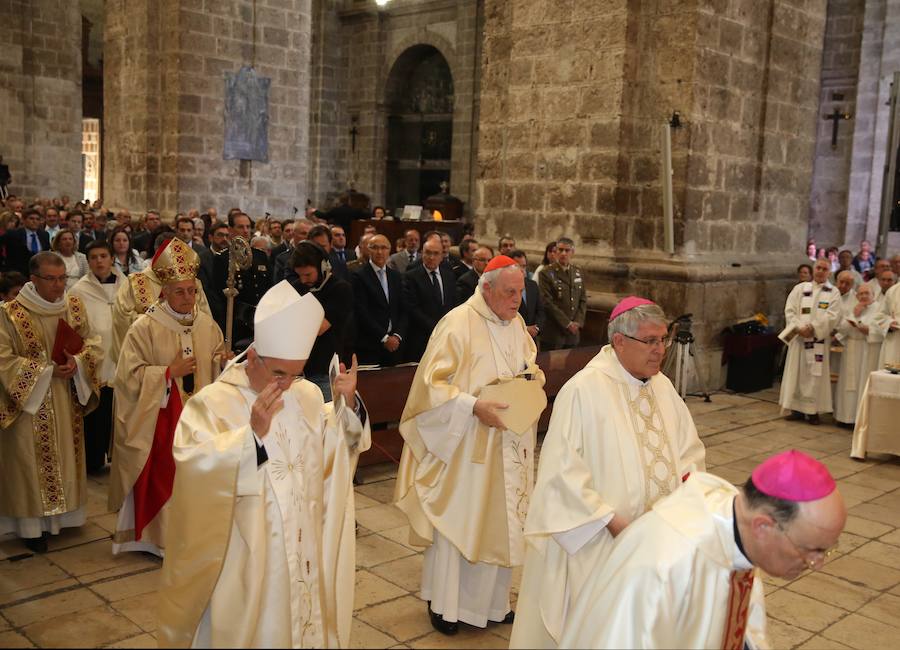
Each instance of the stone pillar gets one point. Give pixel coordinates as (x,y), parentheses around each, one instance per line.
(571,109)
(40,97)
(164,90)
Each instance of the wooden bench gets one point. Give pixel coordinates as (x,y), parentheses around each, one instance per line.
(385,390)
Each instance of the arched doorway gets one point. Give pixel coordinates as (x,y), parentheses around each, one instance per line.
(419,98)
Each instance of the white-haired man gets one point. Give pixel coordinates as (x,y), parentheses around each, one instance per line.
(620,438)
(464,478)
(812,311)
(861,336)
(260,547)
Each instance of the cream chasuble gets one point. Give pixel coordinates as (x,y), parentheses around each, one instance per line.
(99,299)
(890,312)
(44,484)
(135,295)
(142,389)
(806,383)
(615,446)
(668,581)
(859,358)
(261,556)
(465,487)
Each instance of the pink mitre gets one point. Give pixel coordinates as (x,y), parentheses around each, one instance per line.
(793,476)
(627,304)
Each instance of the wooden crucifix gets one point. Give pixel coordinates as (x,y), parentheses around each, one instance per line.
(835,117)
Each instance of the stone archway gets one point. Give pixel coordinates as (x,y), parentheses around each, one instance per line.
(419,98)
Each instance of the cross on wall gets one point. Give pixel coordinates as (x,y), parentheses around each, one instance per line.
(836,116)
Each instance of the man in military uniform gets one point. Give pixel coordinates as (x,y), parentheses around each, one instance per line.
(251,283)
(565,299)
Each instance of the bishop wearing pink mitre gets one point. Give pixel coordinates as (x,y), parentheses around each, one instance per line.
(684,575)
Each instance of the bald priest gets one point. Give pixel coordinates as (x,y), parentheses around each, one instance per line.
(684,575)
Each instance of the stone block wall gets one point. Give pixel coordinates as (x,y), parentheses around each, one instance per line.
(840,73)
(355,48)
(164,104)
(40,97)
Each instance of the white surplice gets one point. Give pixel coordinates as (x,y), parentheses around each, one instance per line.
(615,445)
(667,581)
(261,555)
(890,312)
(99,299)
(859,358)
(805,387)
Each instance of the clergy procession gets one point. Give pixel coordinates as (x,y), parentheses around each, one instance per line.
(239,475)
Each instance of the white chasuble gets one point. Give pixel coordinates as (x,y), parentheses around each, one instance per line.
(615,445)
(859,358)
(672,580)
(890,313)
(806,383)
(261,555)
(44,482)
(465,487)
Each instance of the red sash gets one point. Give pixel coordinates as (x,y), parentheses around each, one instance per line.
(154,486)
(738,608)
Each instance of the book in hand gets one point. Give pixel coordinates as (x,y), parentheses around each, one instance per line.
(526,400)
(334,369)
(67,340)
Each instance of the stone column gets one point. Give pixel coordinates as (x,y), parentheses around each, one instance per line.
(164,87)
(40,97)
(571,109)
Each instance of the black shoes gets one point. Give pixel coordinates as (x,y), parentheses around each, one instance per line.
(509,619)
(442,626)
(813,419)
(36,544)
(794,416)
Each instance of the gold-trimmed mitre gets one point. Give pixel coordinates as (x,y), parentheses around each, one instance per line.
(176,261)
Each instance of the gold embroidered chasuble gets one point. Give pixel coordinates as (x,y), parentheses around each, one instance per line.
(135,295)
(152,343)
(477,500)
(261,556)
(615,445)
(42,438)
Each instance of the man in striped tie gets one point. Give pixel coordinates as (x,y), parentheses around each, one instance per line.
(683,575)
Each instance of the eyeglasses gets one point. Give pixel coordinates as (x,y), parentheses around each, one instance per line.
(666,342)
(822,554)
(279,374)
(58,279)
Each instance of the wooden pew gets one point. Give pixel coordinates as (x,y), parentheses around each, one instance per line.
(384,392)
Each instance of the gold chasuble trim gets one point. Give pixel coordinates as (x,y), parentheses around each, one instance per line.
(141,290)
(738,610)
(46,451)
(655,445)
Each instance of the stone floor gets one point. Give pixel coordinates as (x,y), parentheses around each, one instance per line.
(78,594)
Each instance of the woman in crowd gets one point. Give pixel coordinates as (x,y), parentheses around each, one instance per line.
(76,262)
(549,258)
(125,258)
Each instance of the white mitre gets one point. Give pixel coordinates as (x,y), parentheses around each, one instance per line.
(286,325)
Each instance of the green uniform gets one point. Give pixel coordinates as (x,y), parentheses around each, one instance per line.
(565,301)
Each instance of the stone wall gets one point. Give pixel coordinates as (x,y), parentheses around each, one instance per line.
(840,72)
(572,106)
(164,103)
(40,96)
(355,47)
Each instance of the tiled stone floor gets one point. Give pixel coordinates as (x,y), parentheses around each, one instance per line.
(78,594)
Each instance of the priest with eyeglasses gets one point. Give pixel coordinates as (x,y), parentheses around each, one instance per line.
(620,438)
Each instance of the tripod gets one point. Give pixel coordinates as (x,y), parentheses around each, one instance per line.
(679,365)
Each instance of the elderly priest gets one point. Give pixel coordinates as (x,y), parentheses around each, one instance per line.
(169,353)
(465,477)
(43,399)
(620,439)
(260,548)
(683,575)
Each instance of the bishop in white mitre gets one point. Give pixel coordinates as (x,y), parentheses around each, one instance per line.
(260,547)
(464,480)
(620,438)
(684,575)
(811,312)
(860,333)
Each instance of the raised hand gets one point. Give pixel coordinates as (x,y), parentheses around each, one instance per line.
(266,406)
(345,384)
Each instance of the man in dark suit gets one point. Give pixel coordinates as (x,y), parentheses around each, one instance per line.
(143,240)
(344,214)
(23,243)
(468,281)
(184,230)
(466,251)
(429,291)
(380,316)
(340,254)
(531,307)
(281,264)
